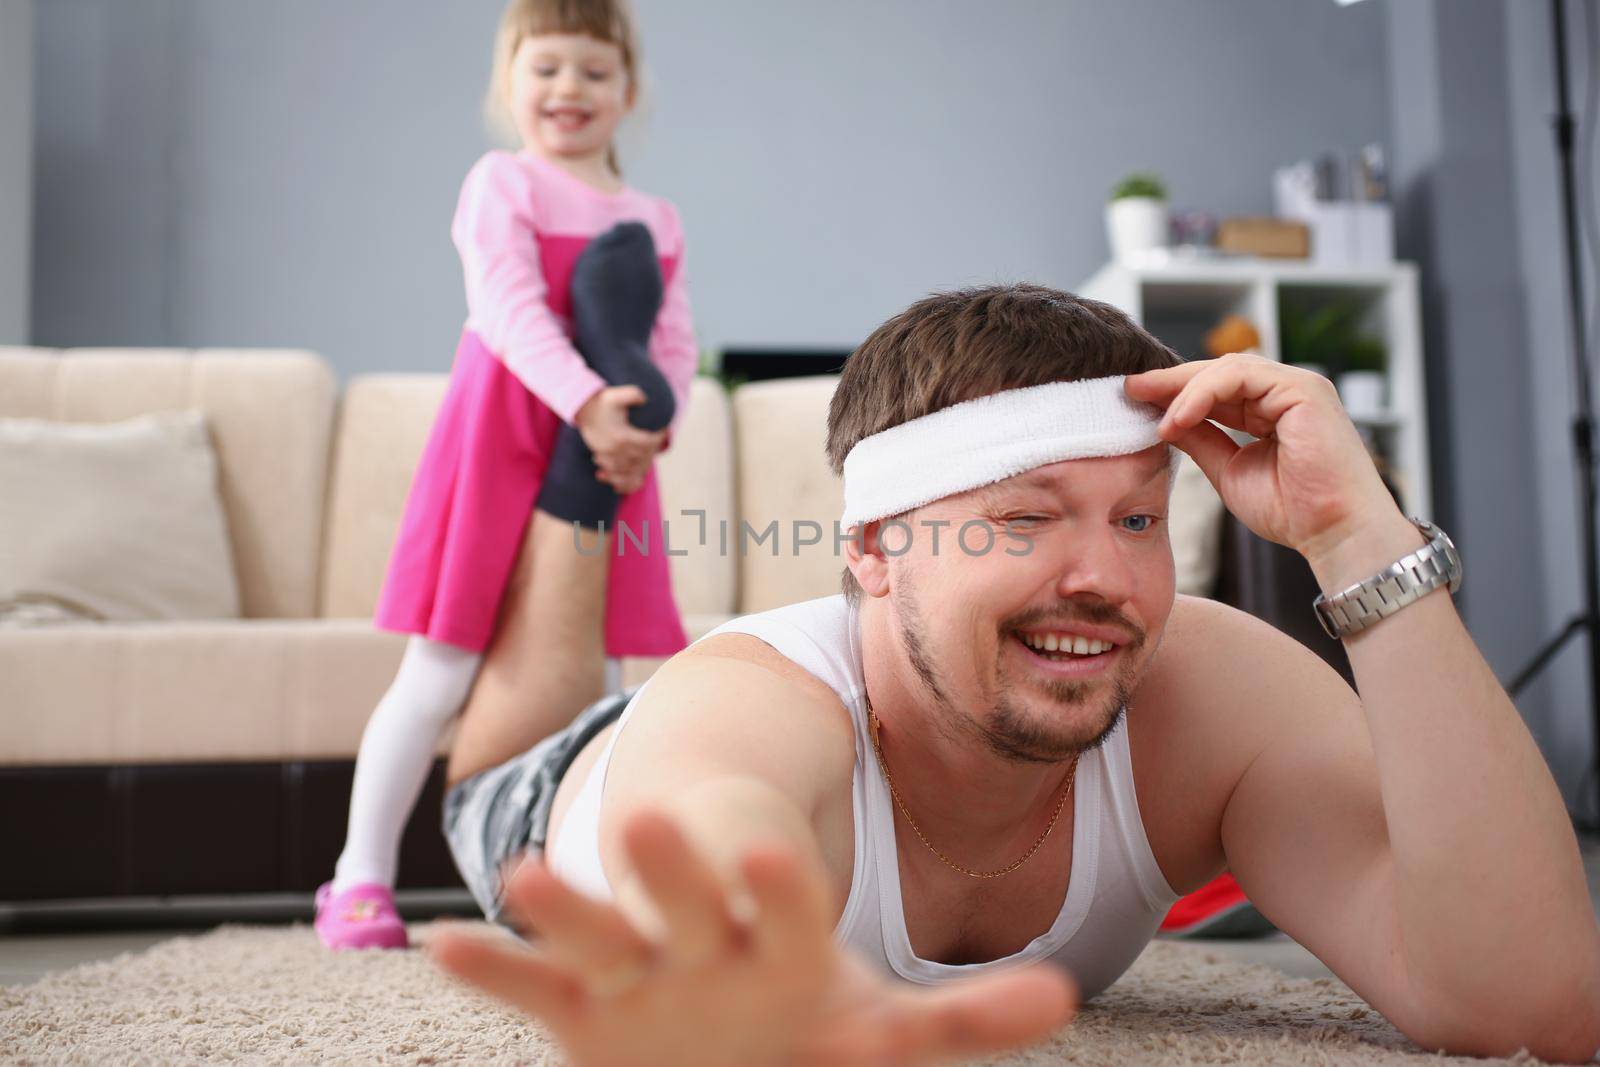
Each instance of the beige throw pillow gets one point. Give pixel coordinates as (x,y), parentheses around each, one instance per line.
(1195,527)
(112,521)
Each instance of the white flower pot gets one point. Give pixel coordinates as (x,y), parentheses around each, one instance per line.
(1136,226)
(1363,393)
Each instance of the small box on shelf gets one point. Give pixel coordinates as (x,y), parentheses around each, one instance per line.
(1269,237)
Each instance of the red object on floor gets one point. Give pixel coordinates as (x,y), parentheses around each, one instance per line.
(1211,906)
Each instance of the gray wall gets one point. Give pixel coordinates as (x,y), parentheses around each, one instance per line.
(1454,186)
(1552,526)
(860,154)
(283,174)
(255,174)
(1473,93)
(16,166)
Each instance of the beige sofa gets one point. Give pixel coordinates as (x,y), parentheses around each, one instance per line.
(246,727)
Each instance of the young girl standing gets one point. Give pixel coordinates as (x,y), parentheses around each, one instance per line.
(476,569)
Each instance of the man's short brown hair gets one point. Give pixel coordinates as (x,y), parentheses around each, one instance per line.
(961,345)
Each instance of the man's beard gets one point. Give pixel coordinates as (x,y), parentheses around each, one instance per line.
(1009,731)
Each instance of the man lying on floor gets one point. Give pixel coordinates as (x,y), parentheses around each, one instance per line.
(997,759)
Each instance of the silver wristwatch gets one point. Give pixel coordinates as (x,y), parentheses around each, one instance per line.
(1405,581)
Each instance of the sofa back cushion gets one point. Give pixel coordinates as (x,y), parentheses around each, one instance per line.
(780,430)
(696,474)
(383,426)
(271,418)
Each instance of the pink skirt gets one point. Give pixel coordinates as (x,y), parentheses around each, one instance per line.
(468,511)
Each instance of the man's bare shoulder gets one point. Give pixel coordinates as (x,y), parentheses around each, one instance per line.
(1221,688)
(1214,649)
(748,648)
(1222,666)
(1202,642)
(732,705)
(1196,617)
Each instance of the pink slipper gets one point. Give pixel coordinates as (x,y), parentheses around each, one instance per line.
(363,916)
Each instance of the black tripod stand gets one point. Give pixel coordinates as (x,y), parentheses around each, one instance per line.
(1583,443)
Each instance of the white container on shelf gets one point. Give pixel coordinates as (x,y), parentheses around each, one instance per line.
(1344,233)
(1364,394)
(1136,226)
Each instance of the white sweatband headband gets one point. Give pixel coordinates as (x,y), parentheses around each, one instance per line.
(982,441)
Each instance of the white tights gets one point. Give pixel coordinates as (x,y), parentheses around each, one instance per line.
(397,750)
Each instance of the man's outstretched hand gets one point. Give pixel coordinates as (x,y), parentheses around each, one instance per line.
(740,982)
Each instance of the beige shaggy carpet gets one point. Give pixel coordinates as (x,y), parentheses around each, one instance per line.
(271,995)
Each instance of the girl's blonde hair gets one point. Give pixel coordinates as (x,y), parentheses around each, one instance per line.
(604,20)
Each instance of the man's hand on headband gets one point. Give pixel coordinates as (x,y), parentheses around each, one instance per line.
(1307,482)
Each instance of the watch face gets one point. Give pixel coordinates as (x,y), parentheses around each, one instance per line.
(1451,553)
(1432,532)
(1440,541)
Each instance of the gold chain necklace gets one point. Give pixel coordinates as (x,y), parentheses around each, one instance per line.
(1072,776)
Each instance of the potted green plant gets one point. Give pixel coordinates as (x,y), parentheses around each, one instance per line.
(1329,337)
(1136,217)
(1363,383)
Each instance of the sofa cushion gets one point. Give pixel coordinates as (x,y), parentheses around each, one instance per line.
(787,494)
(179,692)
(187,692)
(383,424)
(696,475)
(271,417)
(115,521)
(1194,524)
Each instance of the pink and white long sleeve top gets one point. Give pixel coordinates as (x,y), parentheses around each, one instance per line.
(520,225)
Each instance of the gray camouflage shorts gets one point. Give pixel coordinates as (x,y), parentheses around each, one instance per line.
(500,813)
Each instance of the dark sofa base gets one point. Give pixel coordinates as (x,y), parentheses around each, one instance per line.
(152,830)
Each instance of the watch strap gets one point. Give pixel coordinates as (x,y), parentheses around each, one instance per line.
(1403,582)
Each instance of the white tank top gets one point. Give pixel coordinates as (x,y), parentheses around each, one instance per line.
(1117,896)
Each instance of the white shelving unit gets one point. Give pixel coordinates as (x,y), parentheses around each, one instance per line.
(1179,300)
